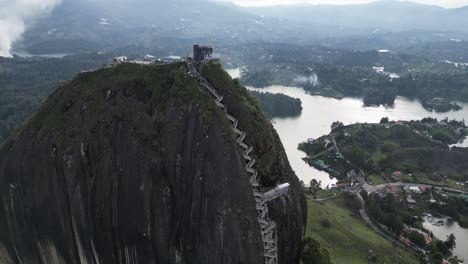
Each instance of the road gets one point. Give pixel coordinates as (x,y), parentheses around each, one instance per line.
(366,218)
(361,184)
(324,199)
(374,188)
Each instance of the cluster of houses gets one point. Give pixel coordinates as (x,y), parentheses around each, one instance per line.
(327,142)
(389,189)
(427,237)
(200,53)
(415,190)
(399,191)
(148,59)
(397,176)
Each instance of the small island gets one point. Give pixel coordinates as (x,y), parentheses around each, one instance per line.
(440,105)
(278,105)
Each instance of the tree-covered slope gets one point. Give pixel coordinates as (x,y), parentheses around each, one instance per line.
(416,148)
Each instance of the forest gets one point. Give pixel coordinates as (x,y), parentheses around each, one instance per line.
(25,83)
(278,105)
(345,73)
(374,88)
(417,148)
(391,212)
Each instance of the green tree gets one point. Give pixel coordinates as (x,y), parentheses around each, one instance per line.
(324,222)
(442,248)
(313,253)
(364,195)
(450,243)
(384,120)
(301,182)
(442,137)
(356,155)
(387,147)
(352,201)
(314,186)
(395,223)
(417,238)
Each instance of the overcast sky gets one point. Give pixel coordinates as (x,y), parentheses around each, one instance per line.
(444,3)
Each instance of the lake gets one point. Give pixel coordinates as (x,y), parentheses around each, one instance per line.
(461,234)
(52,56)
(318,114)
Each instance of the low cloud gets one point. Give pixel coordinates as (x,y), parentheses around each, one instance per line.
(15,16)
(444,3)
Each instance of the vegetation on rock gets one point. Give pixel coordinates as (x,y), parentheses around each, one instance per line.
(139,156)
(25,83)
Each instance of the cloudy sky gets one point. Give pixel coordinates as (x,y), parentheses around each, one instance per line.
(444,3)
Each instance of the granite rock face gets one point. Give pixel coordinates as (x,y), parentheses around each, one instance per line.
(137,165)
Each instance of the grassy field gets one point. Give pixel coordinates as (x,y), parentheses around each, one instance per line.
(422,178)
(348,239)
(376,179)
(323,194)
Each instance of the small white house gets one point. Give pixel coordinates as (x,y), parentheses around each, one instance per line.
(120,59)
(411,203)
(415,189)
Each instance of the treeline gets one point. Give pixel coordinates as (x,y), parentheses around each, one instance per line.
(25,83)
(351,73)
(386,211)
(258,79)
(313,253)
(450,163)
(379,89)
(456,208)
(278,105)
(422,85)
(413,147)
(389,212)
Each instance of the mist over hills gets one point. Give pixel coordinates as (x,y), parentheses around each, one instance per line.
(388,15)
(79,26)
(90,25)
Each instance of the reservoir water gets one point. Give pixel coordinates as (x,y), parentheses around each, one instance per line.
(52,56)
(318,114)
(461,234)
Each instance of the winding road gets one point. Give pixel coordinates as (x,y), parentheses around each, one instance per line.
(366,218)
(374,188)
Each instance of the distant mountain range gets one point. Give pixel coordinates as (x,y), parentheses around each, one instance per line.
(86,25)
(90,25)
(386,15)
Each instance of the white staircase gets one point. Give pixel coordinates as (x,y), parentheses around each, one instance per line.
(267,226)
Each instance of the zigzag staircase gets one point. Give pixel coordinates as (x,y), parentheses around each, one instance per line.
(267,226)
